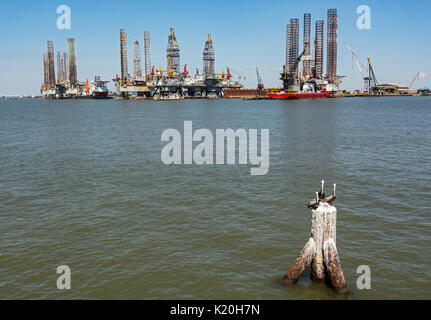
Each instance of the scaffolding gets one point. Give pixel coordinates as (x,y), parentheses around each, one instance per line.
(73,78)
(208,58)
(147,53)
(173,53)
(51,63)
(137,70)
(332,39)
(306,64)
(318,49)
(123,54)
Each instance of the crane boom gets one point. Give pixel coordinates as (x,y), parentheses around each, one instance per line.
(358,65)
(260,85)
(414,79)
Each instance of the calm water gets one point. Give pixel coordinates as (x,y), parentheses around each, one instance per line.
(82,184)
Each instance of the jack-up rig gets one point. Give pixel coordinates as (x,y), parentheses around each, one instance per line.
(310,83)
(66,84)
(171,83)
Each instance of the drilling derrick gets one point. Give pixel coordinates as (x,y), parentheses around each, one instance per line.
(293,45)
(208,57)
(331,63)
(318,50)
(173,53)
(147,53)
(137,71)
(123,54)
(306,64)
(73,78)
(51,63)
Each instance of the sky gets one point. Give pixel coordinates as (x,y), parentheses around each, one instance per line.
(246,35)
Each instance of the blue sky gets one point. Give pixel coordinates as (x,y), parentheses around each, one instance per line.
(246,34)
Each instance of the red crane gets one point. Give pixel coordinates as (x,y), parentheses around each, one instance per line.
(185,73)
(417,75)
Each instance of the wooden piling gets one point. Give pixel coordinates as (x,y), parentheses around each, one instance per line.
(317,265)
(333,265)
(301,262)
(320,250)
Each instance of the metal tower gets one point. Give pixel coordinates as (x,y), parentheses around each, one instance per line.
(287,44)
(147,53)
(137,70)
(123,54)
(45,69)
(73,78)
(306,64)
(51,63)
(318,49)
(173,53)
(331,63)
(208,57)
(59,66)
(65,66)
(293,44)
(371,83)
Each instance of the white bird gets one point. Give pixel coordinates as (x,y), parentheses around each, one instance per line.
(315,202)
(331,199)
(321,192)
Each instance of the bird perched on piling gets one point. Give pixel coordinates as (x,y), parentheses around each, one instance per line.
(321,192)
(315,202)
(331,199)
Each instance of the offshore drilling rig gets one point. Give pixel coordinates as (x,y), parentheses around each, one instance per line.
(171,83)
(310,82)
(66,84)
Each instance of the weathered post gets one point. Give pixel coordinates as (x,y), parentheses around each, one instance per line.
(320,250)
(333,265)
(317,221)
(301,262)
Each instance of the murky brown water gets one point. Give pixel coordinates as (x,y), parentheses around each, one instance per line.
(82,184)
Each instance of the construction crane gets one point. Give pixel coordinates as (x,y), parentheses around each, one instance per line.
(228,75)
(289,77)
(358,64)
(371,80)
(416,77)
(260,86)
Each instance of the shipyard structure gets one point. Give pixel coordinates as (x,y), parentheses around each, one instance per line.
(173,82)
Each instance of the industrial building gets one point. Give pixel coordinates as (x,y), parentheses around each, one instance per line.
(392,88)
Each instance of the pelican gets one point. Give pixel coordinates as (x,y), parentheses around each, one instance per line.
(331,199)
(321,192)
(314,202)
